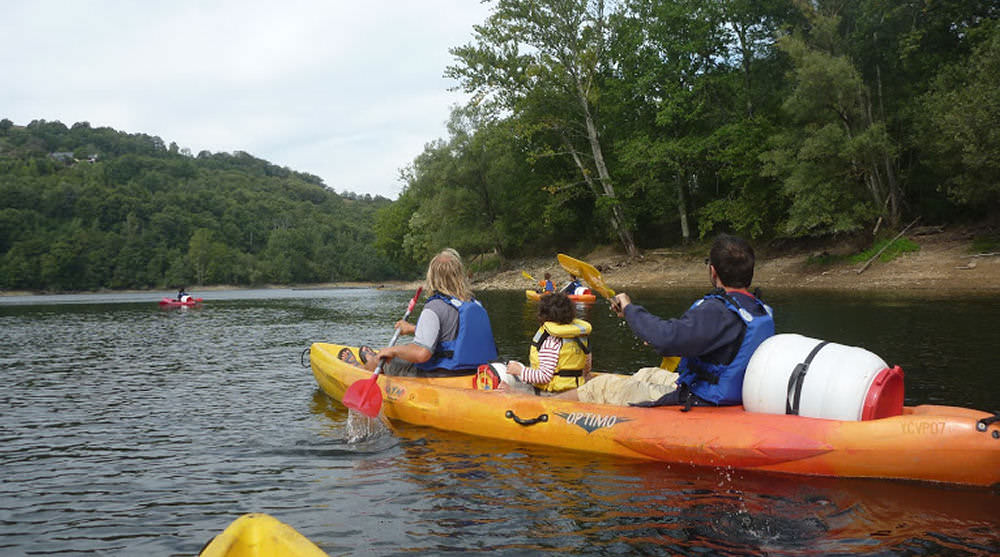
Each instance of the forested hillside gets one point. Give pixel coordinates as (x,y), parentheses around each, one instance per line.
(648,123)
(84,208)
(642,123)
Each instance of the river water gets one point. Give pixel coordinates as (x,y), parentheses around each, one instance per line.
(128,429)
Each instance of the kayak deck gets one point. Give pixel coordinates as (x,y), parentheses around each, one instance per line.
(926,443)
(260,535)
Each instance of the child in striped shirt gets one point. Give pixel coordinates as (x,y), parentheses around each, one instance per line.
(560,356)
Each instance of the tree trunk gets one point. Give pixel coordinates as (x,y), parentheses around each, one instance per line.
(579,164)
(892,193)
(617,216)
(741,34)
(682,208)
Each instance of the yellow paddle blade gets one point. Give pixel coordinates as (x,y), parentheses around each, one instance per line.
(670,363)
(527,276)
(587,271)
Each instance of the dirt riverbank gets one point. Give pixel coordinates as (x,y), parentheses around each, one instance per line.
(945,263)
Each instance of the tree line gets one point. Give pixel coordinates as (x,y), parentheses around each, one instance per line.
(650,123)
(643,123)
(86,208)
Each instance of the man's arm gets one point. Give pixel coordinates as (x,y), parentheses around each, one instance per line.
(701,330)
(409,352)
(425,334)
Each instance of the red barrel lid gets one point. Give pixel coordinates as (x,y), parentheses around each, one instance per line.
(885,396)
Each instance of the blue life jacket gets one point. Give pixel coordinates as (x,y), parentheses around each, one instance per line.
(472,347)
(722,384)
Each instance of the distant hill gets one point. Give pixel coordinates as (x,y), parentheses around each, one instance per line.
(84,208)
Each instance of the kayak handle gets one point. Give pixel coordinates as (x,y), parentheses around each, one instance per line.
(985,423)
(541,418)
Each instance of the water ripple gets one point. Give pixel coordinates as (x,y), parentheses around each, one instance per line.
(128,429)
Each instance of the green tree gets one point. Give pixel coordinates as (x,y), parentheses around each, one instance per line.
(963,121)
(202,253)
(532,53)
(831,159)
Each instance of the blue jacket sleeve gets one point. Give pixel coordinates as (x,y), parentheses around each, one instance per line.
(702,331)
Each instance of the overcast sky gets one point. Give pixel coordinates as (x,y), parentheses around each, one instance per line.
(347,90)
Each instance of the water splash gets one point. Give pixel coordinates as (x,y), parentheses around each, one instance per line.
(362,428)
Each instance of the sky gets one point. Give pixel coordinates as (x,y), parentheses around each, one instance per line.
(347,90)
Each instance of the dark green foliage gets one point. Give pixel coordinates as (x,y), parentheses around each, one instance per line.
(767,118)
(134,214)
(593,122)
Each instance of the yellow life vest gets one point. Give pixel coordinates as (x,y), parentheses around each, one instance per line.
(572,355)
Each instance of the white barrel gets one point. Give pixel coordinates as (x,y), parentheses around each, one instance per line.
(835,384)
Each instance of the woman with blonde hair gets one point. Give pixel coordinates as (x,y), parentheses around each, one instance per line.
(452,336)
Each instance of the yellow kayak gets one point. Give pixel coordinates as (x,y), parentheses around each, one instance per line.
(260,535)
(928,443)
(582,298)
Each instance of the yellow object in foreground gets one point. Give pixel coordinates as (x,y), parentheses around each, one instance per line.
(259,535)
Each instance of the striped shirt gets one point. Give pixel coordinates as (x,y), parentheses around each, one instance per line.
(548,357)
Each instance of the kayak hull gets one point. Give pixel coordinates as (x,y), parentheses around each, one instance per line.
(260,535)
(926,443)
(581,298)
(174,302)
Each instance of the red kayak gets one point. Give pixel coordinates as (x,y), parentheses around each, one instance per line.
(176,302)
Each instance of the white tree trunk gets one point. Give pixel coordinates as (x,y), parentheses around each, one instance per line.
(617,217)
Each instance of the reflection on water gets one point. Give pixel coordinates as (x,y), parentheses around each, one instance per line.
(129,429)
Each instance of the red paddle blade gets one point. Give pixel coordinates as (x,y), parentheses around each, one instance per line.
(364,396)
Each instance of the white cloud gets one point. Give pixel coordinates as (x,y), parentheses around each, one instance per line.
(348,91)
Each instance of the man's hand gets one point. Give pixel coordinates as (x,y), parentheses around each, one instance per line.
(619,303)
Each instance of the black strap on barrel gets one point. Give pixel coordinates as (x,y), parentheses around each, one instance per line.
(796,379)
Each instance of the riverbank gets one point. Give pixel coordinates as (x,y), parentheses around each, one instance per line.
(945,263)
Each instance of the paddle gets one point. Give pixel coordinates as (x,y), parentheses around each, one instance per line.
(527,276)
(590,275)
(364,395)
(596,282)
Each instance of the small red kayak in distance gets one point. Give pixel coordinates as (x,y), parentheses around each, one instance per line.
(176,302)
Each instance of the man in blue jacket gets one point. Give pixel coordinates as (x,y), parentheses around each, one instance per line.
(714,338)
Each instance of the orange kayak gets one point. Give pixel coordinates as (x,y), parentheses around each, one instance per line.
(582,298)
(926,443)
